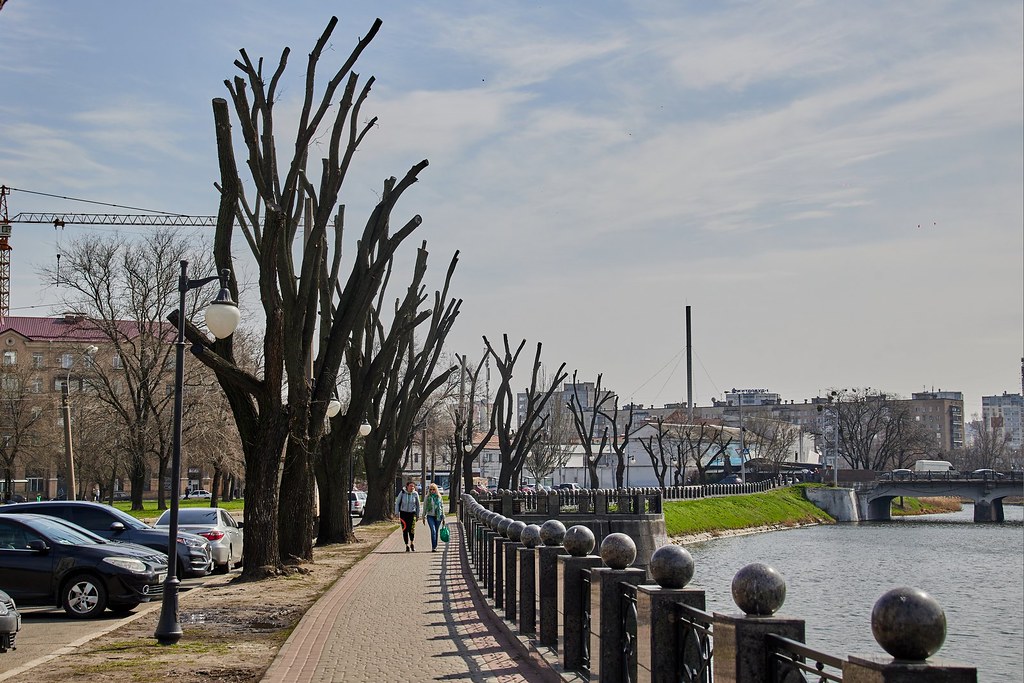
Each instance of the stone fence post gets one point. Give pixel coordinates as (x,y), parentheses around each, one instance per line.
(529,537)
(659,658)
(574,615)
(741,651)
(512,547)
(552,533)
(608,658)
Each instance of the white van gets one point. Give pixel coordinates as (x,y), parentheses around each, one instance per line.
(933,466)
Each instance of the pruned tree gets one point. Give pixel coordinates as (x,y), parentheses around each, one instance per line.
(472,452)
(516,442)
(590,427)
(659,448)
(405,390)
(619,441)
(555,445)
(281,411)
(699,443)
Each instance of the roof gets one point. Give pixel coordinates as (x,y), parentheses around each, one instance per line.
(66,328)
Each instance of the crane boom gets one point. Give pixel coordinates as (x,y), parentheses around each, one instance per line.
(61,219)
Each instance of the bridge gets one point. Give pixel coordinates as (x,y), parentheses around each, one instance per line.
(874,499)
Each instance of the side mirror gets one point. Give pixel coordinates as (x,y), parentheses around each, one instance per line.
(240,525)
(117,527)
(38,546)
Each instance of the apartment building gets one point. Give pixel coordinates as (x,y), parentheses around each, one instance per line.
(1004,413)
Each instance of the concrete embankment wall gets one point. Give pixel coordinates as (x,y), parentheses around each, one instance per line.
(840,503)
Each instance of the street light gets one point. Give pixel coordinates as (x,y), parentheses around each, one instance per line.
(65,406)
(630,459)
(364,430)
(222,317)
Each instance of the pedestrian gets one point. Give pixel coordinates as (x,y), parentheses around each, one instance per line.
(433,512)
(407,505)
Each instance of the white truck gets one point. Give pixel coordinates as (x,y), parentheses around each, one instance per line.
(933,466)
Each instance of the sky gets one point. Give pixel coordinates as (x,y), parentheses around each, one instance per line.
(835,189)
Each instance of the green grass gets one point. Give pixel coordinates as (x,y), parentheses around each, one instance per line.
(151,511)
(786,507)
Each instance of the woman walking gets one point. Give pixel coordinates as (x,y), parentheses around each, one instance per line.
(433,512)
(407,506)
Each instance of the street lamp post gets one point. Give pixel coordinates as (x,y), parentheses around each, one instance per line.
(222,318)
(65,406)
(630,459)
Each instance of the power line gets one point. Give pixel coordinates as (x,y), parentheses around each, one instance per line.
(90,201)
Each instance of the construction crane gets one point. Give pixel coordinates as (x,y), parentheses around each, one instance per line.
(59,220)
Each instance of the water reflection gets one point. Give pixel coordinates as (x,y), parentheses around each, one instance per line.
(835,573)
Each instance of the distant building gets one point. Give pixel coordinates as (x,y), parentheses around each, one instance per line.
(943,413)
(1003,413)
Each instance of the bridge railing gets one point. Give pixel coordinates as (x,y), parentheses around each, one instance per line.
(614,623)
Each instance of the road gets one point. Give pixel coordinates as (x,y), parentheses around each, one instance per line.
(49,632)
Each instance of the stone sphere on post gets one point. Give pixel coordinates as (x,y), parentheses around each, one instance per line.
(496,520)
(618,551)
(758,590)
(671,566)
(503,526)
(515,530)
(579,540)
(909,624)
(552,532)
(530,536)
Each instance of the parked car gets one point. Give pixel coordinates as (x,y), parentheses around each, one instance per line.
(48,561)
(986,473)
(198,494)
(194,558)
(218,527)
(568,486)
(10,622)
(731,479)
(356,502)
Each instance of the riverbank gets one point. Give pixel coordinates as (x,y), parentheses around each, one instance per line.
(706,518)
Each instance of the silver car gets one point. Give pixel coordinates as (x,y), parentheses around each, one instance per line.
(218,527)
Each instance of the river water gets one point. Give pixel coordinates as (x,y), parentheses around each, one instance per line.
(835,573)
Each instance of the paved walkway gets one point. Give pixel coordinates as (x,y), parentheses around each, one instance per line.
(397,617)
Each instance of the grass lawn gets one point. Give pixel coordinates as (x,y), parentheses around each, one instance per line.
(786,506)
(151,511)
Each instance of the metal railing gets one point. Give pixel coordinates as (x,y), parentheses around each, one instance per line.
(628,631)
(790,661)
(585,621)
(695,643)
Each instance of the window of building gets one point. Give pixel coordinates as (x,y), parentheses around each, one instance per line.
(35,385)
(67,360)
(10,357)
(10,384)
(38,359)
(116,362)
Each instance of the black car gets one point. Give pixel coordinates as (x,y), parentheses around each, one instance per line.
(47,561)
(194,556)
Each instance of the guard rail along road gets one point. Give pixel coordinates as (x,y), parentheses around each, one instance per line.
(603,618)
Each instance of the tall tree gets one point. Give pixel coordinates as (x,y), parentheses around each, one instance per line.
(122,289)
(589,421)
(773,440)
(619,441)
(282,411)
(24,426)
(516,441)
(555,445)
(658,447)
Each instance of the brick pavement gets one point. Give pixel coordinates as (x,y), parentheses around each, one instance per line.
(397,617)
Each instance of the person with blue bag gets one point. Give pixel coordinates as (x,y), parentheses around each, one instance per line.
(433,513)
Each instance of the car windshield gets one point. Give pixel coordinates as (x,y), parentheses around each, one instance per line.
(63,533)
(189,516)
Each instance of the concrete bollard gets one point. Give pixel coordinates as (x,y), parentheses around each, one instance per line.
(527,556)
(512,546)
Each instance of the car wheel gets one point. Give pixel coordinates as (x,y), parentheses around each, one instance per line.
(124,607)
(226,567)
(84,597)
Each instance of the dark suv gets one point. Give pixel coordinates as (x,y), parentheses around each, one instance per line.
(194,558)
